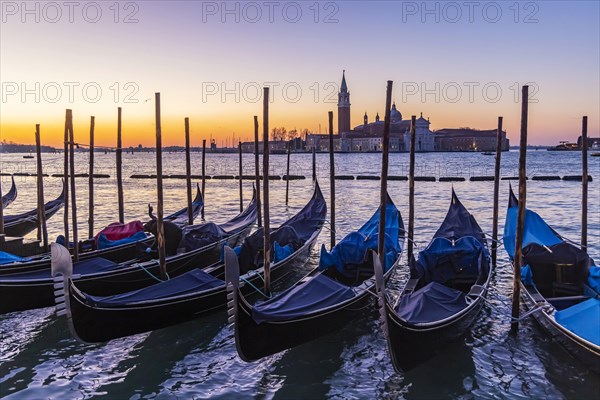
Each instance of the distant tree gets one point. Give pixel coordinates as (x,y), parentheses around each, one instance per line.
(278,134)
(293,134)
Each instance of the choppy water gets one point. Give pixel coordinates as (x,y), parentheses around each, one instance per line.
(39,359)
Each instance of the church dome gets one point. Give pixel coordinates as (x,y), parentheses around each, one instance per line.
(395,115)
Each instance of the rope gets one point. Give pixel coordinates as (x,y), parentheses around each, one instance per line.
(151,274)
(255,288)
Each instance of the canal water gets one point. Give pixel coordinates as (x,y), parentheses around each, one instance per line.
(40,360)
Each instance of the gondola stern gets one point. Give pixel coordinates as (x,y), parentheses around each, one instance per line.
(62,270)
(512,199)
(232,283)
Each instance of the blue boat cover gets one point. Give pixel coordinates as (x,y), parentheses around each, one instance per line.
(353,249)
(444,260)
(315,294)
(105,243)
(321,291)
(433,302)
(7,258)
(536,231)
(459,223)
(294,232)
(89,266)
(194,281)
(583,319)
(198,236)
(594,278)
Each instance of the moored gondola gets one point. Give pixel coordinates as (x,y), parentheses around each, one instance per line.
(444,293)
(323,301)
(101,277)
(121,251)
(102,318)
(560,282)
(11,195)
(21,224)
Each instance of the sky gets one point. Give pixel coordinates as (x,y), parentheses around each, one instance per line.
(459,63)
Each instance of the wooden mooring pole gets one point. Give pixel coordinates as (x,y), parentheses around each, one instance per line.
(73,194)
(91,180)
(332,179)
(257,171)
(521,212)
(384,174)
(119,155)
(241,169)
(584,182)
(314,164)
(496,192)
(203,173)
(287,183)
(160,230)
(42,228)
(1,214)
(411,188)
(65,180)
(188,172)
(266,222)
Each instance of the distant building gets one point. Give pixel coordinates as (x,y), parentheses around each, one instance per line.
(467,139)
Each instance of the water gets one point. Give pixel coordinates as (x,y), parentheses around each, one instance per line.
(197,359)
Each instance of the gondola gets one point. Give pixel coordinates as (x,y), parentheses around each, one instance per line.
(11,195)
(125,251)
(444,293)
(21,224)
(102,318)
(561,282)
(323,301)
(101,277)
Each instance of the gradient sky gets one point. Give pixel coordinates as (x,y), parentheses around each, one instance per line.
(191,51)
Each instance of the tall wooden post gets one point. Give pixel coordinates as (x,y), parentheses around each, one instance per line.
(584,183)
(42,228)
(120,169)
(91,180)
(72,178)
(241,180)
(332,178)
(411,188)
(66,179)
(1,214)
(496,191)
(203,172)
(384,174)
(160,230)
(266,222)
(314,164)
(521,212)
(287,183)
(188,172)
(257,170)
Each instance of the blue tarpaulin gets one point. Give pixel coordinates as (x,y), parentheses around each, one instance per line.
(582,319)
(191,282)
(536,231)
(433,302)
(105,243)
(92,265)
(352,250)
(315,294)
(322,291)
(7,258)
(594,278)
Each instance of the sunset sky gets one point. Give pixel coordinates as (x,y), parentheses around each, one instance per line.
(459,63)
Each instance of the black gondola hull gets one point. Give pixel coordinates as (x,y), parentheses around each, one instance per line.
(574,345)
(255,341)
(95,324)
(412,345)
(22,294)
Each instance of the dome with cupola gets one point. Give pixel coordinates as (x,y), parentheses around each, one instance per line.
(395,115)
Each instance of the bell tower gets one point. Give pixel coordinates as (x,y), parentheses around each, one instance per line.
(343,106)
